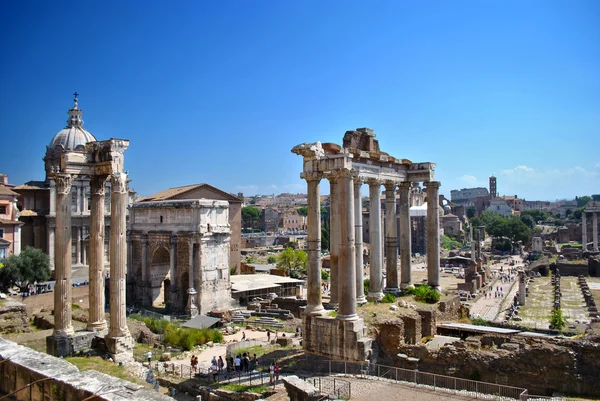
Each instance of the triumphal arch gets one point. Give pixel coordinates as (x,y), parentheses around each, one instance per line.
(359,160)
(100,161)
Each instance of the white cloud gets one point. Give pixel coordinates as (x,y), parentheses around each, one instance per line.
(519,170)
(469,179)
(597,165)
(249,189)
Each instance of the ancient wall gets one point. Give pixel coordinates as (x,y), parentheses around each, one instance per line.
(60,380)
(13,318)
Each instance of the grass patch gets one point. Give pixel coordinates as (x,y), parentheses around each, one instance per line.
(388,298)
(333,313)
(426,294)
(478,321)
(188,338)
(242,388)
(104,366)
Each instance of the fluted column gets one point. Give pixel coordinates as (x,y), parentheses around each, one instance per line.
(51,244)
(584,230)
(78,247)
(334,240)
(347,257)
(97,319)
(391,239)
(375,270)
(358,241)
(118,256)
(314,301)
(191,307)
(145,284)
(174,274)
(405,249)
(62,251)
(433,234)
(595,231)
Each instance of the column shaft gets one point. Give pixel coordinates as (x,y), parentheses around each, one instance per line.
(405,249)
(118,256)
(145,274)
(595,230)
(584,239)
(191,307)
(51,242)
(334,241)
(78,250)
(314,301)
(375,260)
(347,257)
(62,252)
(174,275)
(433,234)
(97,319)
(358,247)
(391,239)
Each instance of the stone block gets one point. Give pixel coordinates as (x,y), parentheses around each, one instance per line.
(428,322)
(58,346)
(412,329)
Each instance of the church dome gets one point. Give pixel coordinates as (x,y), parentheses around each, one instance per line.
(73,136)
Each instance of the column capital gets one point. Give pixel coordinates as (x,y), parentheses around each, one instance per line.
(405,184)
(372,182)
(173,241)
(118,183)
(63,183)
(312,176)
(97,184)
(432,184)
(390,185)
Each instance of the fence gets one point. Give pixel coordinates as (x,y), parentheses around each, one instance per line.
(334,388)
(231,348)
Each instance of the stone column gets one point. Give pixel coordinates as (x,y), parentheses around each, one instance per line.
(145,274)
(405,248)
(375,270)
(391,239)
(174,274)
(334,240)
(97,319)
(314,305)
(119,341)
(584,230)
(191,307)
(522,288)
(433,234)
(358,243)
(83,253)
(62,250)
(52,196)
(595,231)
(78,248)
(51,245)
(347,258)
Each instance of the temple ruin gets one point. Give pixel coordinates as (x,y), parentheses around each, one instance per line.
(359,160)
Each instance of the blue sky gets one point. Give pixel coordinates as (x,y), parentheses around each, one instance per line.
(219,92)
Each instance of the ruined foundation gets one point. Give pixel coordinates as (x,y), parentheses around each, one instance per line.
(335,339)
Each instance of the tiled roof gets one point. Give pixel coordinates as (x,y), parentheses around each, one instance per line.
(33,185)
(5,191)
(28,213)
(171,193)
(10,222)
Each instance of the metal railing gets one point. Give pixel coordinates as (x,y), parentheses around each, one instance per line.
(331,388)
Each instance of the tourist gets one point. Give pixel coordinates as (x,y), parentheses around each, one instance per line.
(243,335)
(214,370)
(220,364)
(195,363)
(271,373)
(277,370)
(269,335)
(149,356)
(255,362)
(237,362)
(192,359)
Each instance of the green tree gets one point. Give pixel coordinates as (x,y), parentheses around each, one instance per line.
(249,215)
(303,211)
(30,266)
(596,197)
(471,210)
(325,238)
(271,259)
(527,220)
(583,200)
(450,243)
(292,261)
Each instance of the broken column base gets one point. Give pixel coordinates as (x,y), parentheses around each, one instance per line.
(120,349)
(336,339)
(66,346)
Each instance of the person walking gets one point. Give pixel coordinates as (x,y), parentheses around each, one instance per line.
(271,373)
(220,364)
(269,335)
(277,369)
(149,356)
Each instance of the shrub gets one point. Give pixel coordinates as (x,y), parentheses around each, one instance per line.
(188,338)
(427,294)
(388,298)
(272,259)
(366,285)
(557,320)
(324,275)
(478,321)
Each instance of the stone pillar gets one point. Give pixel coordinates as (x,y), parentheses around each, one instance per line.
(584,230)
(174,274)
(62,250)
(358,243)
(84,253)
(522,288)
(433,234)
(314,305)
(119,341)
(391,239)
(52,197)
(595,231)
(51,242)
(405,247)
(78,247)
(97,319)
(347,258)
(191,307)
(145,284)
(375,270)
(334,240)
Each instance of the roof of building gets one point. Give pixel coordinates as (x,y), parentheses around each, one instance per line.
(171,193)
(6,191)
(201,322)
(11,222)
(73,136)
(251,282)
(34,185)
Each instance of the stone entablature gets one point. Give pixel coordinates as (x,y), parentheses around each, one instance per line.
(179,246)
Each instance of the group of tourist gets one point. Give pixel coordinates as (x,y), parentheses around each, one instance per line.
(274,371)
(194,363)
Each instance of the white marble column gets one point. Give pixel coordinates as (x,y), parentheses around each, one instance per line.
(314,305)
(62,250)
(174,274)
(334,240)
(595,231)
(145,290)
(118,331)
(375,260)
(97,318)
(433,234)
(51,242)
(391,239)
(584,230)
(52,197)
(358,243)
(78,247)
(191,307)
(347,257)
(405,247)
